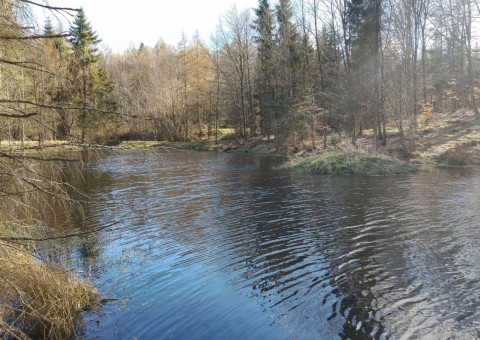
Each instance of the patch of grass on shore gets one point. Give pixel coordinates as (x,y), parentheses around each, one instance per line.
(350,163)
(127,145)
(39,301)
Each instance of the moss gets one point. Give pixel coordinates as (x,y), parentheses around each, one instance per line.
(350,163)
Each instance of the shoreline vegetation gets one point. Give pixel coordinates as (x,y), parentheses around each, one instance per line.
(352,162)
(38,298)
(453,140)
(41,301)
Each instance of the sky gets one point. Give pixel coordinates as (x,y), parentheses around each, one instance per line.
(123,24)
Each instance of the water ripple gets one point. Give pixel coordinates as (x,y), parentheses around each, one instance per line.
(225,246)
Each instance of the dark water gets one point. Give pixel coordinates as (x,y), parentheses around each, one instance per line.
(223,246)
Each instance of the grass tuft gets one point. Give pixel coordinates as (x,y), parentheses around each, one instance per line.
(38,301)
(350,163)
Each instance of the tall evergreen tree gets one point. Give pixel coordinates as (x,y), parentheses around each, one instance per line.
(265,61)
(57,86)
(93,84)
(289,68)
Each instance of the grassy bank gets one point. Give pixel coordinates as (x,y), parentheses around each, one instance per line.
(350,163)
(37,300)
(202,145)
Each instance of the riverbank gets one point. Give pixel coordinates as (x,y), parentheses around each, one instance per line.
(449,139)
(39,298)
(443,139)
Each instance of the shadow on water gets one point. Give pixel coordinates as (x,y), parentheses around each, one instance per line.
(226,246)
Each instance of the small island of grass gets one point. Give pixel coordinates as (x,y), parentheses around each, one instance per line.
(350,163)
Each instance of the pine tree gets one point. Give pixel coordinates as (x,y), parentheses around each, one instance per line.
(265,61)
(48,28)
(289,69)
(92,82)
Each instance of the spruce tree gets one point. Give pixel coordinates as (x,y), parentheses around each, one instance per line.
(93,85)
(84,39)
(48,28)
(265,60)
(289,69)
(290,60)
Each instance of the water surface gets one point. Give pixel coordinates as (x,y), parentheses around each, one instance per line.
(225,246)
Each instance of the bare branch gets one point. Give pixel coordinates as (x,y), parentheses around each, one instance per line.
(53,8)
(35,158)
(26,64)
(10,115)
(57,237)
(34,37)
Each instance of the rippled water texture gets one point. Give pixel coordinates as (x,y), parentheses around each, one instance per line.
(222,246)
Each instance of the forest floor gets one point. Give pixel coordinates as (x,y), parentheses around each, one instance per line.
(450,139)
(445,139)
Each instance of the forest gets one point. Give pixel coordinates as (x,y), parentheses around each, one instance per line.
(298,74)
(294,69)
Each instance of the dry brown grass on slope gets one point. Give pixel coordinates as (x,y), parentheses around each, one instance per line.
(37,301)
(451,138)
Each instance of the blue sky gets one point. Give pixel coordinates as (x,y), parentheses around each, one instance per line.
(122,24)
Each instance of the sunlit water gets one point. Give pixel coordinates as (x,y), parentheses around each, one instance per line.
(225,246)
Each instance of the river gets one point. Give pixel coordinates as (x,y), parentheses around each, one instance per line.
(227,246)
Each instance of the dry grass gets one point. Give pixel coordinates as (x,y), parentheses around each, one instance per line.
(451,139)
(461,154)
(37,301)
